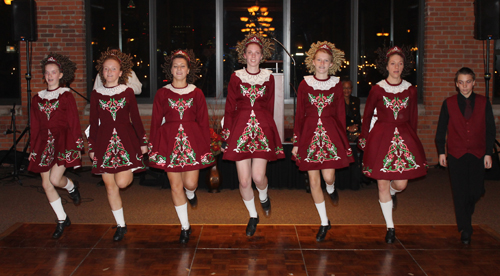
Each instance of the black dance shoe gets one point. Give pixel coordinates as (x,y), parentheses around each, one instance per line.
(194,201)
(75,195)
(335,197)
(119,233)
(61,224)
(252,226)
(394,202)
(184,238)
(390,237)
(266,206)
(465,237)
(323,229)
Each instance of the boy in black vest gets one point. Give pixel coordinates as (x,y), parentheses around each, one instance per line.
(468,119)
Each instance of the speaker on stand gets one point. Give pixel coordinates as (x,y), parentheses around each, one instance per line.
(24,17)
(24,29)
(487,27)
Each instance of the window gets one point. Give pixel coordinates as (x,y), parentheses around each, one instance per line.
(375,31)
(122,24)
(149,30)
(9,60)
(317,20)
(239,21)
(188,24)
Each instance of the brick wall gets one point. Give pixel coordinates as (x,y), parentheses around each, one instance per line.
(449,45)
(61,29)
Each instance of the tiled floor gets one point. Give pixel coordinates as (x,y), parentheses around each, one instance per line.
(88,249)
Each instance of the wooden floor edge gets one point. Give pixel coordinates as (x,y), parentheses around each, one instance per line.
(490,231)
(10,230)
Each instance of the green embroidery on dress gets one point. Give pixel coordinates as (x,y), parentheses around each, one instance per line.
(182,153)
(112,106)
(49,151)
(69,156)
(48,107)
(181,105)
(252,93)
(321,147)
(320,101)
(253,138)
(398,158)
(115,156)
(207,158)
(395,104)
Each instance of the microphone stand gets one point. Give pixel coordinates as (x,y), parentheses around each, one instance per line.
(78,93)
(294,85)
(27,128)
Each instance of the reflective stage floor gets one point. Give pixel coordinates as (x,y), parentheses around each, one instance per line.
(88,249)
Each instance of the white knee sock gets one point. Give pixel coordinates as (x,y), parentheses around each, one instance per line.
(263,194)
(120,219)
(330,188)
(387,211)
(189,193)
(392,190)
(322,213)
(251,208)
(182,213)
(58,209)
(69,185)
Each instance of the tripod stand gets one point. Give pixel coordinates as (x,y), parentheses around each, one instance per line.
(15,173)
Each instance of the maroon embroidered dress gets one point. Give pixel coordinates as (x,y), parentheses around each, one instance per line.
(180,134)
(392,148)
(319,131)
(249,127)
(116,130)
(55,131)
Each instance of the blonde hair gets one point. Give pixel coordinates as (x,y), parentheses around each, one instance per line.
(329,48)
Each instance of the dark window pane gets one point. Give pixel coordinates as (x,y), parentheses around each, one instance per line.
(314,21)
(188,24)
(134,30)
(9,60)
(374,32)
(495,80)
(235,30)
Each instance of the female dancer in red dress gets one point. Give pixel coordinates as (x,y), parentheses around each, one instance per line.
(180,133)
(392,151)
(56,141)
(117,138)
(320,142)
(249,128)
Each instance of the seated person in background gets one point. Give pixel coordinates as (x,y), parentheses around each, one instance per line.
(350,177)
(352,115)
(132,82)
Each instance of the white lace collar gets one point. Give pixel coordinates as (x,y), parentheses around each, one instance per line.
(394,89)
(52,94)
(253,79)
(111,91)
(321,84)
(181,91)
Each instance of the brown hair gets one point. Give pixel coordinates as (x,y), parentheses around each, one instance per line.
(66,66)
(125,61)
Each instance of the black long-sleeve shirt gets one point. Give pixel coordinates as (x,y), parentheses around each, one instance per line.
(444,117)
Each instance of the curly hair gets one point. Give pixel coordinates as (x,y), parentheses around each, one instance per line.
(66,66)
(192,62)
(125,61)
(267,47)
(383,59)
(329,48)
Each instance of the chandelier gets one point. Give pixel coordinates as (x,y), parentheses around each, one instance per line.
(257,20)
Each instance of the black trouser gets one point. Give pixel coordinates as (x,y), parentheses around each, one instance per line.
(467,185)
